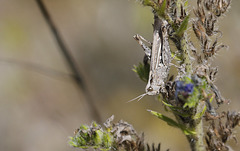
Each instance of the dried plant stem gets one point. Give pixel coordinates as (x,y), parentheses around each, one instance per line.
(77,77)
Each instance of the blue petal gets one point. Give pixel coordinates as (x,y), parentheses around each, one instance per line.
(189,88)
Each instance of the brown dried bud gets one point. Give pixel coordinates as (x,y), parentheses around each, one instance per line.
(199,30)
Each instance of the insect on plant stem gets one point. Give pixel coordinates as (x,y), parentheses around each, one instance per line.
(160,58)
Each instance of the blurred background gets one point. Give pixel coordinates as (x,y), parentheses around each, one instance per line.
(40,109)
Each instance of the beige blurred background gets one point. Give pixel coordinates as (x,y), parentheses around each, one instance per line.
(38,110)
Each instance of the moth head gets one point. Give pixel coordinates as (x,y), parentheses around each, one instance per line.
(152,90)
(154,87)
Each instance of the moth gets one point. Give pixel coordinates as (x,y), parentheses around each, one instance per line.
(159,55)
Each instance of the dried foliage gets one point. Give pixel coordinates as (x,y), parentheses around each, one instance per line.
(114,136)
(218,134)
(207,13)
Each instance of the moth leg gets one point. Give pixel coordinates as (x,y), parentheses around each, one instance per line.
(141,41)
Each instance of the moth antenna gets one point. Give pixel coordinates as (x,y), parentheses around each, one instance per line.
(138,98)
(141,97)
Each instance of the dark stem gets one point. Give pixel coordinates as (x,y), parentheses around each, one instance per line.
(69,60)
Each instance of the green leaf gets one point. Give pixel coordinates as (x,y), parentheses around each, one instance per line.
(107,139)
(72,142)
(183,27)
(159,9)
(98,137)
(175,110)
(168,120)
(162,9)
(147,2)
(173,123)
(174,56)
(188,132)
(199,115)
(186,3)
(142,71)
(204,84)
(94,124)
(84,127)
(171,106)
(193,100)
(211,99)
(187,80)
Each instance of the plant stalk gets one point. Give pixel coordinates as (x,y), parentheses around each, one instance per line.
(77,76)
(196,141)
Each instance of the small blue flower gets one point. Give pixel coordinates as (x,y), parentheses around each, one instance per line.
(188,88)
(178,88)
(183,89)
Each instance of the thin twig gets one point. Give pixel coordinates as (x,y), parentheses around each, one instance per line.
(52,73)
(69,60)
